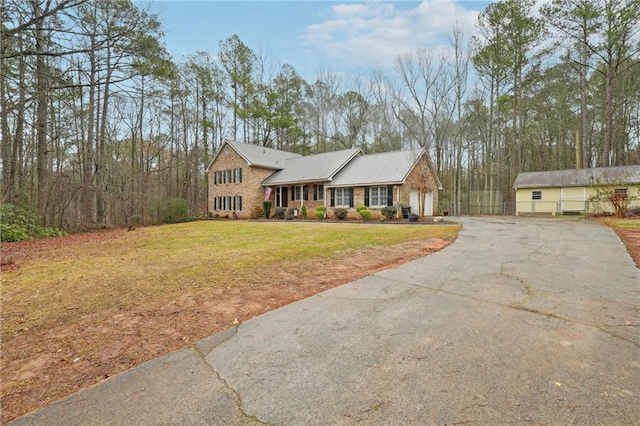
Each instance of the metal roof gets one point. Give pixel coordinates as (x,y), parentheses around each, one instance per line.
(312,168)
(383,168)
(257,155)
(578,177)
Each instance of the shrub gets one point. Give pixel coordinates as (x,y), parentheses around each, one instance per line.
(266,206)
(18,224)
(340,213)
(361,207)
(365,213)
(290,213)
(303,212)
(321,212)
(172,210)
(280,213)
(389,212)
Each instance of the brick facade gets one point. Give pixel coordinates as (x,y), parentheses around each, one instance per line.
(249,189)
(251,192)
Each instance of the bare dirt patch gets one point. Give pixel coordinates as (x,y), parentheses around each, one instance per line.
(631,240)
(40,367)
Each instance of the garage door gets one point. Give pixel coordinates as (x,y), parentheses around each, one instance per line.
(573,199)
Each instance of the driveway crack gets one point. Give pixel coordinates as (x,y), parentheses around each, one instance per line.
(238,398)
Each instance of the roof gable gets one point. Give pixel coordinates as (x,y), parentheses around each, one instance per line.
(577,177)
(312,168)
(256,155)
(382,168)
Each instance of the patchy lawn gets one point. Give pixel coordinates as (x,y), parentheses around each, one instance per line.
(81,308)
(629,232)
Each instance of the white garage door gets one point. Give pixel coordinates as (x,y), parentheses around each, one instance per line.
(415,203)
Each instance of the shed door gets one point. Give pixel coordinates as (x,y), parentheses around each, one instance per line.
(573,199)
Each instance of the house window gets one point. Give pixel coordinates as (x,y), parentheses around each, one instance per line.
(536,195)
(227,176)
(620,193)
(378,196)
(296,193)
(237,174)
(342,197)
(318,192)
(299,192)
(238,202)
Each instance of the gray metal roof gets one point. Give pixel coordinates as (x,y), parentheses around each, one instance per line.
(578,177)
(259,156)
(383,168)
(312,168)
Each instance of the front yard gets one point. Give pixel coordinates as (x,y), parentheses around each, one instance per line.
(81,308)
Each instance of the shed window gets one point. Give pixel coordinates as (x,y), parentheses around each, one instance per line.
(620,193)
(536,195)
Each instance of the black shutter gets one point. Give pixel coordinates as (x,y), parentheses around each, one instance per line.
(390,195)
(305,192)
(240,174)
(240,201)
(350,197)
(315,192)
(333,196)
(293,193)
(366,196)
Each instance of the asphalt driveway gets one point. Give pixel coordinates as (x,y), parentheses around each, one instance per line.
(520,321)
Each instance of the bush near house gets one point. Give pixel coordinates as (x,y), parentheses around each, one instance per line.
(280,213)
(303,212)
(321,212)
(172,210)
(364,212)
(389,212)
(266,207)
(340,213)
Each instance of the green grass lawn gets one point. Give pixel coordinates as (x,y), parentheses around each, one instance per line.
(158,264)
(623,223)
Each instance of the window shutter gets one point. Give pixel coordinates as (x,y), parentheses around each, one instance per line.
(366,196)
(293,193)
(390,195)
(305,192)
(350,197)
(333,196)
(240,174)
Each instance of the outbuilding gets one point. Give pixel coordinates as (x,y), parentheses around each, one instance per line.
(575,191)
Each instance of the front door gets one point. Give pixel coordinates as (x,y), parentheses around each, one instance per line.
(281,196)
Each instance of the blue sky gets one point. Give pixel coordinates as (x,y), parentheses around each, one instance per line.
(338,36)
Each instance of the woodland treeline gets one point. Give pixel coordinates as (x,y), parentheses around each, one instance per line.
(100,126)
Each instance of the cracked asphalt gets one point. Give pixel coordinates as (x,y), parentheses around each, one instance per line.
(520,321)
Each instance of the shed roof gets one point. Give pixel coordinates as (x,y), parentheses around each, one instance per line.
(577,177)
(312,168)
(383,168)
(257,155)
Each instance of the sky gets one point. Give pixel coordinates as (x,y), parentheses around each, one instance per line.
(315,36)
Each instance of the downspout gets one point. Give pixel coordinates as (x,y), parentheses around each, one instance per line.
(399,209)
(301,195)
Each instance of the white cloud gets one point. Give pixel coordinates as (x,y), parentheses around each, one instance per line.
(376,32)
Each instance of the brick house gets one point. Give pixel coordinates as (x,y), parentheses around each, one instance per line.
(241,175)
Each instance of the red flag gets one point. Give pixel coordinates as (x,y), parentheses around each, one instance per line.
(267,192)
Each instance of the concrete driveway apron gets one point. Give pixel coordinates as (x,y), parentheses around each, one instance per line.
(520,321)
